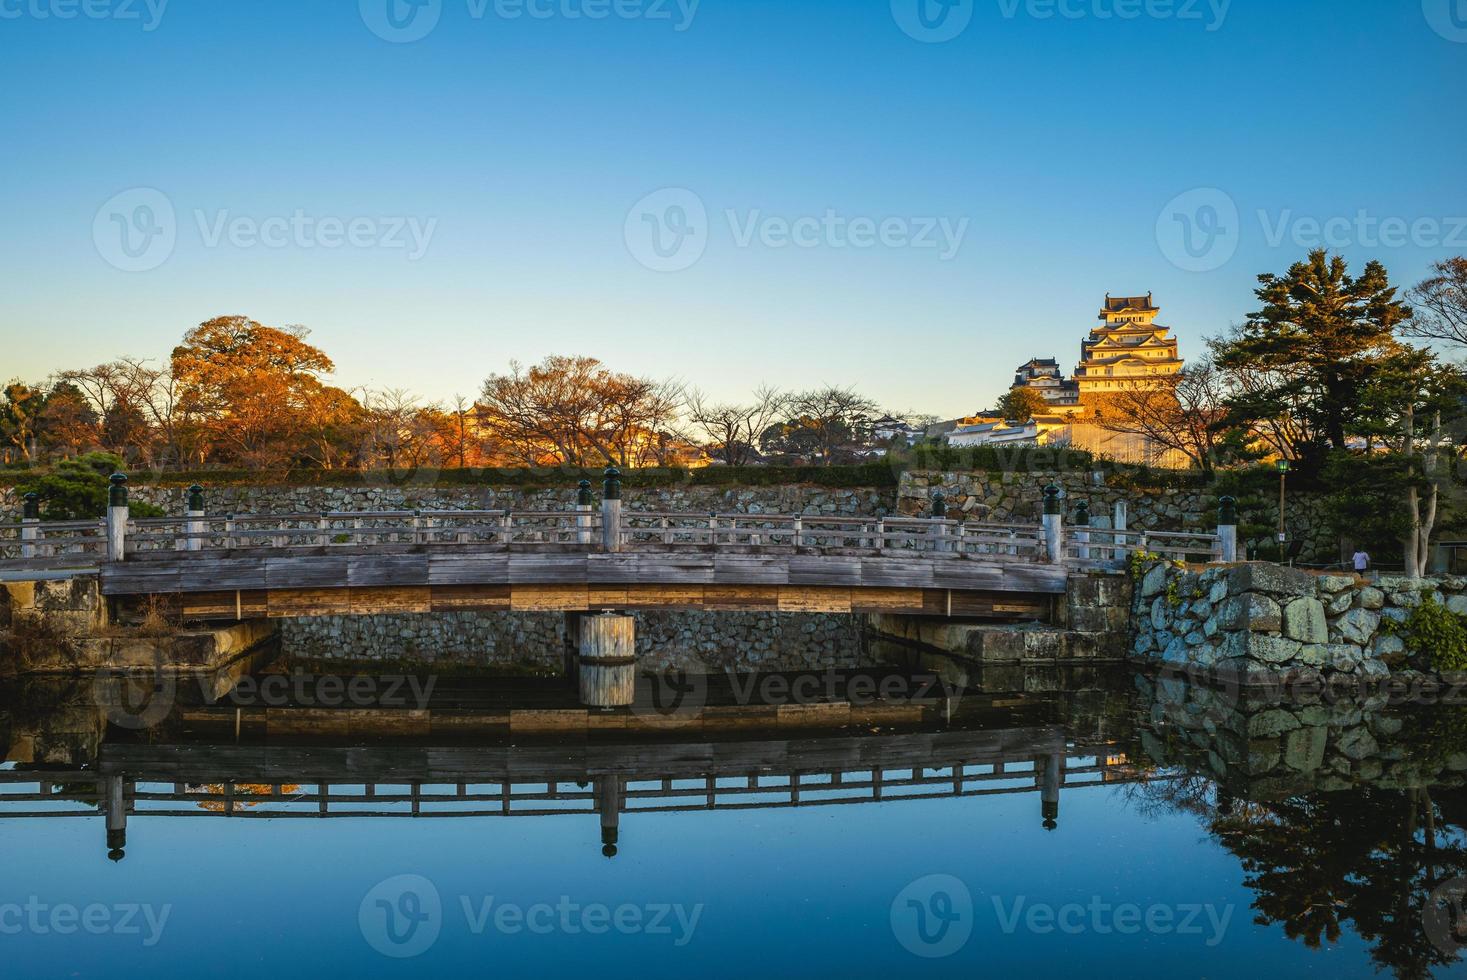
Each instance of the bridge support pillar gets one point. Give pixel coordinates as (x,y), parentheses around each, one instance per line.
(608,660)
(117,518)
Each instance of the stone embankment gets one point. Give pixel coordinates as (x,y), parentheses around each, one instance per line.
(1271,619)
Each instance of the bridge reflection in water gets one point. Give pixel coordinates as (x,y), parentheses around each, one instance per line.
(177,773)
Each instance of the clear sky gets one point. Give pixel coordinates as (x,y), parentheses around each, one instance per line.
(863,192)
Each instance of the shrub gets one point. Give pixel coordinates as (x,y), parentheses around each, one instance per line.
(76,489)
(1435,632)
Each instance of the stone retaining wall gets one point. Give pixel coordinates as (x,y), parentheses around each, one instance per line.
(695,641)
(1261,617)
(1019,498)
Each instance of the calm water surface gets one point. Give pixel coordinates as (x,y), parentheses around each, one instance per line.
(1191,839)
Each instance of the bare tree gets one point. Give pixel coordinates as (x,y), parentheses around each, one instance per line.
(733,430)
(1440,304)
(1179,412)
(834,418)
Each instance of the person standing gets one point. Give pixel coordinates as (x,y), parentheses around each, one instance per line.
(1362,561)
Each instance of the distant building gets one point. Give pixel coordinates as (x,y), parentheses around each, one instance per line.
(1038,431)
(1044,376)
(1130,346)
(886,429)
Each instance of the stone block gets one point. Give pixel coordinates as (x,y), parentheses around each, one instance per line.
(1277,580)
(1254,612)
(1358,626)
(1304,621)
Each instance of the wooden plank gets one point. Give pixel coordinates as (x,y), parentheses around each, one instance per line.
(828,570)
(751,569)
(469,598)
(549,598)
(886,600)
(225,605)
(794,598)
(379,570)
(734,598)
(664,597)
(468,568)
(298,603)
(377,600)
(547,569)
(306,572)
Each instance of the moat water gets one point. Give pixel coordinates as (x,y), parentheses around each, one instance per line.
(1090,822)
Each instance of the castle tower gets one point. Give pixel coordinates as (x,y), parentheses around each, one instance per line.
(1128,347)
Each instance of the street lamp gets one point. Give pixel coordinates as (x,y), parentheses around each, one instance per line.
(1283,479)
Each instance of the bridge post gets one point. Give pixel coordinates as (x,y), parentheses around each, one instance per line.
(1051,777)
(117,518)
(1227,529)
(608,661)
(608,806)
(1054,525)
(611,510)
(1118,523)
(30,525)
(939,513)
(116,817)
(584,502)
(195,526)
(1082,529)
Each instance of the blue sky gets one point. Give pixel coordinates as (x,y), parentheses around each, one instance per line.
(433,208)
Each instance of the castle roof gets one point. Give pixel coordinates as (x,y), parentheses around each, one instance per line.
(1122,304)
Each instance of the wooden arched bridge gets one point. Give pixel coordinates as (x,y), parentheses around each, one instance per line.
(579,559)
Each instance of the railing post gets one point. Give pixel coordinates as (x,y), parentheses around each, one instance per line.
(584,502)
(1082,529)
(1054,525)
(30,525)
(799,529)
(229,541)
(195,526)
(117,518)
(713,528)
(1227,530)
(1118,523)
(418,527)
(939,513)
(323,524)
(611,510)
(506,528)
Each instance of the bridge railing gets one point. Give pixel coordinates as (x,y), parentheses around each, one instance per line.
(54,540)
(1108,547)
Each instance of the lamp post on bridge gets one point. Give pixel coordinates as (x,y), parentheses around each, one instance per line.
(30,525)
(1082,529)
(584,502)
(117,517)
(1227,529)
(1283,466)
(195,525)
(1054,525)
(611,510)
